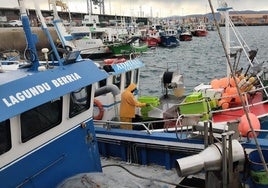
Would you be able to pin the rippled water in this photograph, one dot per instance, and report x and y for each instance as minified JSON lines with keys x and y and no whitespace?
{"x":199,"y":60}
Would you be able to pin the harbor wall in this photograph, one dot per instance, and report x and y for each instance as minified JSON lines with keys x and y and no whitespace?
{"x":14,"y":38}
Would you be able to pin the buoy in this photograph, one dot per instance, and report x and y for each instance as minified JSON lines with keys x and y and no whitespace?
{"x":244,"y":127}
{"x":232,"y":81}
{"x":227,"y":97}
{"x":114,"y":61}
{"x":223,"y":82}
{"x":223,"y":103}
{"x":215,"y":84}
{"x":100,"y":110}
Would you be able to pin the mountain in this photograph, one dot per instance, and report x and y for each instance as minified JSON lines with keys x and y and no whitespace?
{"x":217,"y":14}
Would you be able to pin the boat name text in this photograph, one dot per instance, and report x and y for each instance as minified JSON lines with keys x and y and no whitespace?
{"x":39,"y":89}
{"x":128,"y":65}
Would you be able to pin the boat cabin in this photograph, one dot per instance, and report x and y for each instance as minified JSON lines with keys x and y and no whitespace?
{"x":121,"y":72}
{"x":46,"y":125}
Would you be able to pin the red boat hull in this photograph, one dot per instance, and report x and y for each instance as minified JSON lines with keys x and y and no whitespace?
{"x":185,"y":37}
{"x":255,"y":107}
{"x":200,"y":33}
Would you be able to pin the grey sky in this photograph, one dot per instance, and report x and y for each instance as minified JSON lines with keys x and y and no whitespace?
{"x":148,"y":7}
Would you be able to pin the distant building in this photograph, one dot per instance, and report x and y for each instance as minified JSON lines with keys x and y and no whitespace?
{"x":249,"y":19}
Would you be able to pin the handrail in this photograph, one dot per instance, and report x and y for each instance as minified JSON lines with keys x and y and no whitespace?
{"x":120,"y":122}
{"x":256,"y":130}
{"x":246,"y":100}
{"x":148,"y":130}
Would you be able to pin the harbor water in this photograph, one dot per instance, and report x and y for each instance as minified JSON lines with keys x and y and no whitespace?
{"x":199,"y":60}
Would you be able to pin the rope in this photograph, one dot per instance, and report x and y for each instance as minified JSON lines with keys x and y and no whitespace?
{"x":146,"y":178}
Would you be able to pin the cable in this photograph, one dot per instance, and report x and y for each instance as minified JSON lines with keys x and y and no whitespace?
{"x":151,"y":179}
{"x":138,"y":176}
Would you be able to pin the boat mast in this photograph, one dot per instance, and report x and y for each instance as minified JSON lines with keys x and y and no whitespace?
{"x":224,"y":9}
{"x":46,"y":31}
{"x":31,"y":38}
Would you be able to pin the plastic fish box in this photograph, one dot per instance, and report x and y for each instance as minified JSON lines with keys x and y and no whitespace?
{"x":207,"y":91}
{"x":153,"y":101}
{"x":197,"y":107}
{"x":213,"y":93}
{"x":195,"y":96}
{"x":213,"y":103}
{"x":202,"y":87}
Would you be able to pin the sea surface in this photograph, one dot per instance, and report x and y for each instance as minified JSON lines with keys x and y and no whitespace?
{"x":200,"y":60}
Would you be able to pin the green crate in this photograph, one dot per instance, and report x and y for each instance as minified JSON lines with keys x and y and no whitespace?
{"x":154,"y":101}
{"x":197,"y":107}
{"x":195,"y":96}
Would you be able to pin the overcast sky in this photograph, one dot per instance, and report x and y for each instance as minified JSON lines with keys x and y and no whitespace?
{"x":147,"y":7}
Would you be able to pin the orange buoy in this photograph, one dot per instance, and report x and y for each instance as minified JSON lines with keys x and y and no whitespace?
{"x":227,"y":97}
{"x":223,"y":103}
{"x":232,"y":81}
{"x":100,"y":110}
{"x":215,"y":84}
{"x":244,"y":127}
{"x":223,"y":82}
{"x":114,"y":61}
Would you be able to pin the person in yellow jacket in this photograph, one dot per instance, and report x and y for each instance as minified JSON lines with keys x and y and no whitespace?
{"x":128,"y":106}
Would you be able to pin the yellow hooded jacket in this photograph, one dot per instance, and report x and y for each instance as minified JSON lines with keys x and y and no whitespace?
{"x":129,"y":103}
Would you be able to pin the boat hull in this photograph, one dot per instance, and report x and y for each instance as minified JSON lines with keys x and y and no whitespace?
{"x":200,"y":33}
{"x":36,"y":169}
{"x":169,"y":41}
{"x":185,"y":37}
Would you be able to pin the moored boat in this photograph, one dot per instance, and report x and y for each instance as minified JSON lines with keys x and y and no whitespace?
{"x":132,"y":46}
{"x":186,"y":36}
{"x":200,"y":31}
{"x":79,"y":39}
{"x":152,"y":38}
{"x":169,"y":41}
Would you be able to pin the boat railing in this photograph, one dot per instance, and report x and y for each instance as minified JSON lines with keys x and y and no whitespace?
{"x":183,"y":122}
{"x":108,"y":124}
{"x":246,"y":97}
{"x":258,"y":131}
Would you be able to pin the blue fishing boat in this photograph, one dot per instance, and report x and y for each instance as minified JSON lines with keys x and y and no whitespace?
{"x":47,"y":132}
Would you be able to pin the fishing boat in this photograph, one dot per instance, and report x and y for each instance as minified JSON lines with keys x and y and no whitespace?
{"x":200,"y":31}
{"x":132,"y":45}
{"x":169,"y":41}
{"x":78,"y":39}
{"x":169,"y":38}
{"x":220,"y":136}
{"x":186,"y":36}
{"x":47,"y":124}
{"x":152,"y":38}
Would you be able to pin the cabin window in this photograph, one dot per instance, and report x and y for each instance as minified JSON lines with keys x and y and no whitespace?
{"x":102,"y":83}
{"x":117,"y":80}
{"x":136,"y":76}
{"x":5,"y":137}
{"x":128,"y":79}
{"x":80,"y":101}
{"x":40,"y":119}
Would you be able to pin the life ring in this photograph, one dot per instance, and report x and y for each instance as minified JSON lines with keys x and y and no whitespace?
{"x":114,"y":61}
{"x":101,"y":110}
